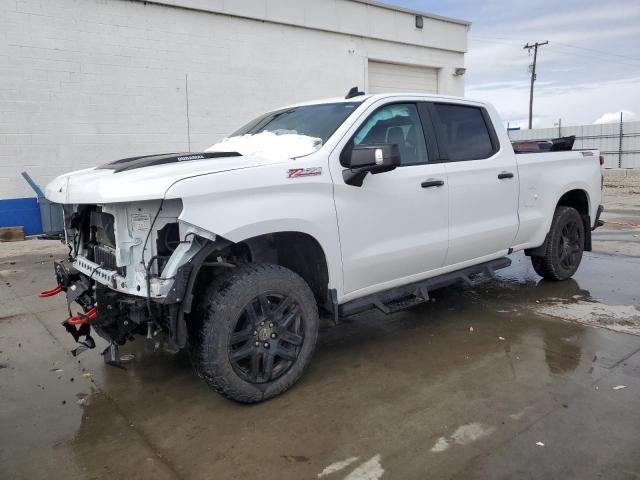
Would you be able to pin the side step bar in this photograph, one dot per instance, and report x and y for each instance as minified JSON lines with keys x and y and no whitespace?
{"x":400,"y":298}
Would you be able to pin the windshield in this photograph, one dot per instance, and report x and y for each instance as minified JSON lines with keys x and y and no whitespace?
{"x":288,"y":133}
{"x":318,"y":121}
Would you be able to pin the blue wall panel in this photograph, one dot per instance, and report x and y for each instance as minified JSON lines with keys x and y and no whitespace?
{"x":21,"y":212}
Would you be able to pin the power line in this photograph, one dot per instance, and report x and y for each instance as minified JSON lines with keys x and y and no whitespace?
{"x":599,"y":51}
{"x":561,"y":50}
{"x":492,"y":39}
{"x":533,"y":74}
{"x":592,"y":58}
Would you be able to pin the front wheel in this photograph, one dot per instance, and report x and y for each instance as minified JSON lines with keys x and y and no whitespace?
{"x":564,"y":248}
{"x":257,"y":332}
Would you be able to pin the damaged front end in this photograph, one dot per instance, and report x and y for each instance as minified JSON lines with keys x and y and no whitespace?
{"x":130,"y":271}
{"x":78,"y":290}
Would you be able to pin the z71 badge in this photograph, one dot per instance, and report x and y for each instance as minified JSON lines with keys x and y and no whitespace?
{"x":304,"y":172}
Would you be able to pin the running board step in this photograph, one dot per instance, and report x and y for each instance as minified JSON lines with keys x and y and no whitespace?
{"x":403,"y":304}
{"x":406,"y":296}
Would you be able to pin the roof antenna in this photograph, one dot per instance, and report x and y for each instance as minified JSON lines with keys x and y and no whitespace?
{"x":353,"y":93}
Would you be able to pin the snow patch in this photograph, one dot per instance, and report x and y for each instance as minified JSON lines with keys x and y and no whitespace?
{"x":519,"y":415}
{"x":463,"y":435}
{"x":369,"y":470}
{"x":337,"y":466}
{"x":622,"y":318}
{"x":471,"y":432}
{"x":269,"y":145}
{"x":441,"y":445}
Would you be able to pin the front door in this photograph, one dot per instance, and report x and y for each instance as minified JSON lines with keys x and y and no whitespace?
{"x":394,"y":227}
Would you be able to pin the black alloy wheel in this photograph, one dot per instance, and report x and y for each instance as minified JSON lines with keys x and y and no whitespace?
{"x":267,"y":338}
{"x":562,"y":251}
{"x":254,"y":331}
{"x":570,"y":248}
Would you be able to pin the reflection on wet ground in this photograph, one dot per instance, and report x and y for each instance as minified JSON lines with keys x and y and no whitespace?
{"x":466,"y":386}
{"x":604,"y":278}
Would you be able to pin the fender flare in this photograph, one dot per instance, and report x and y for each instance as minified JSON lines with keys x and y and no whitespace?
{"x":180,"y":298}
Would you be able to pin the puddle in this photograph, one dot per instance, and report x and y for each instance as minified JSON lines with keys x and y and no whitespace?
{"x":381,"y":384}
{"x":604,"y":278}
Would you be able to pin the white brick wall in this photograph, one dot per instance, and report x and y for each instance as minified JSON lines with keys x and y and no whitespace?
{"x":84,"y":82}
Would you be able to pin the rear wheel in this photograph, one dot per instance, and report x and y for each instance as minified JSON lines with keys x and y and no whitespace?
{"x":564,"y":248}
{"x":258,"y":330}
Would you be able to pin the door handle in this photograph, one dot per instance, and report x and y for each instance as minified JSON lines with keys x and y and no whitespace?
{"x":504,"y":175}
{"x":432,"y":182}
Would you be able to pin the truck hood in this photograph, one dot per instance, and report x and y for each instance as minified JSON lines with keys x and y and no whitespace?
{"x":144,"y":178}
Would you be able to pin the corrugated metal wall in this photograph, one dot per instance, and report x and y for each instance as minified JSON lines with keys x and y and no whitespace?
{"x":604,"y":137}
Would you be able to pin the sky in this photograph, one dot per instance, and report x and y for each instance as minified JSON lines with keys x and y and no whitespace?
{"x":589,"y":71}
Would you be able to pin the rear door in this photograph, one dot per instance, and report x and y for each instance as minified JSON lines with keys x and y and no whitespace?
{"x":483,"y":183}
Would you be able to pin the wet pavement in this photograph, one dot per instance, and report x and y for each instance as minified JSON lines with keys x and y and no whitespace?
{"x":511,"y":378}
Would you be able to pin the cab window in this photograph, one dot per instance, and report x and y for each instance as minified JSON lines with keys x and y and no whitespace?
{"x":395,"y":124}
{"x":464,"y":132}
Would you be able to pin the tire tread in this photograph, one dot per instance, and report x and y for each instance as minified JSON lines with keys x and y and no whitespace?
{"x":211,"y":364}
{"x":547,"y":265}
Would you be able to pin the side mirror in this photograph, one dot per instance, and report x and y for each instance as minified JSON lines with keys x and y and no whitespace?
{"x":373,"y":159}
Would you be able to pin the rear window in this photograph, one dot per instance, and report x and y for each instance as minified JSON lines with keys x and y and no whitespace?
{"x":464,"y":132}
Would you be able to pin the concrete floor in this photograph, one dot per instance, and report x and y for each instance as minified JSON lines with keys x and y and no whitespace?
{"x":621,"y":236}
{"x":509,"y":379}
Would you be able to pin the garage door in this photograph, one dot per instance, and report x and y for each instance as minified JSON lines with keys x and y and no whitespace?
{"x":390,"y":77}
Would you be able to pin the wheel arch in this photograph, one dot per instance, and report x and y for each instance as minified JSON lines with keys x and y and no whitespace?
{"x":575,"y":197}
{"x":297,"y":251}
{"x":579,"y":199}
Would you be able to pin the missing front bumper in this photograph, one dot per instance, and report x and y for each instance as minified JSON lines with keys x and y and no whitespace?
{"x":77,"y":289}
{"x":117,"y":319}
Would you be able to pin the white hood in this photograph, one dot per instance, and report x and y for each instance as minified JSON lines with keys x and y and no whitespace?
{"x":107,"y":185}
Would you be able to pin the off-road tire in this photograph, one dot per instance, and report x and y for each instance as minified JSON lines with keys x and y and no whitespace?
{"x":194,"y":324}
{"x":554,"y":265}
{"x":219,"y":308}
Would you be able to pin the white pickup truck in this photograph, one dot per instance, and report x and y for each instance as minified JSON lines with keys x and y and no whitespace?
{"x":338,"y":206}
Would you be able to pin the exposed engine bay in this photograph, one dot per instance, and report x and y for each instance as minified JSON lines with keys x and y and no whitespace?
{"x":128,"y":272}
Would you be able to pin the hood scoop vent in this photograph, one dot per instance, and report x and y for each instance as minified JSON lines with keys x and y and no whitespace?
{"x":133,"y":163}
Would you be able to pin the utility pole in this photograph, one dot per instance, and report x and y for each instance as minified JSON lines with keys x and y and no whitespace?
{"x":559,"y":125}
{"x":533,"y":74}
{"x":620,"y":145}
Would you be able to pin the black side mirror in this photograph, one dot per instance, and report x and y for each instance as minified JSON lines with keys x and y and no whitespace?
{"x":364,"y":159}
